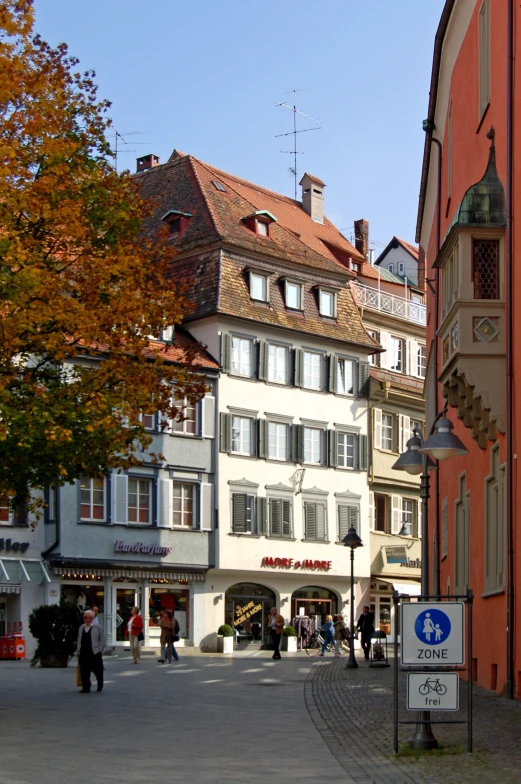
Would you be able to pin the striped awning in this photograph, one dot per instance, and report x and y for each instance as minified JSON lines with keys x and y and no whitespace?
{"x":9,"y":588}
{"x":129,"y":574}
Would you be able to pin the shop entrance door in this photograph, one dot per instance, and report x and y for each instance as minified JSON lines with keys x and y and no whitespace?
{"x":124,"y":600}
{"x":314,"y":608}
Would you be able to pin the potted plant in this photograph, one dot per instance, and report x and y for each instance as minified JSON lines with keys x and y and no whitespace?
{"x":55,"y":628}
{"x":225,"y":639}
{"x":289,"y":639}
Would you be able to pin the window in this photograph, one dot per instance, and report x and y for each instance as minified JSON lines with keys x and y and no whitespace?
{"x":381,"y":512}
{"x":374,"y":359}
{"x":327,"y":303}
{"x":312,"y":370}
{"x":345,"y":377}
{"x":148,"y":420}
{"x":277,"y":441}
{"x":421,"y":366}
{"x":6,"y":517}
{"x":410,"y":516}
{"x":484,"y":57}
{"x":218,"y":186}
{"x":401,"y":268}
{"x":139,"y":505}
{"x":174,"y":227}
{"x":388,"y":432}
{"x":258,"y":287}
{"x":278,"y":364}
{"x":92,"y":498}
{"x":346,"y":450}
{"x":390,"y":267}
{"x":262,"y":228}
{"x":183,"y":504}
{"x":242,"y":349}
{"x":315,"y":521}
{"x":356,"y":267}
{"x":243,"y":513}
{"x":450,"y":281}
{"x":293,"y":295}
{"x":241,"y":435}
{"x":495,"y":525}
{"x":461,"y":538}
{"x":417,"y":424}
{"x":313,"y":445}
{"x":485,"y":268}
{"x":396,"y":354}
{"x":280,"y":517}
{"x":188,"y":425}
{"x":348,"y":516}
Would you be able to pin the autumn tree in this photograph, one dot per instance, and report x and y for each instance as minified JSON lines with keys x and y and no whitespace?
{"x":81,"y":288}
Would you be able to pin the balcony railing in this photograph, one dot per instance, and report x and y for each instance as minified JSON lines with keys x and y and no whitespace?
{"x":406,"y":309}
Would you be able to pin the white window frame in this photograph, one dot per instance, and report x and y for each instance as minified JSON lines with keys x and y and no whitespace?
{"x":240,"y":351}
{"x":262,"y":228}
{"x":410,"y":515}
{"x":311,"y":359}
{"x":315,"y":436}
{"x":418,"y":424}
{"x":270,"y":501}
{"x":341,"y":377}
{"x":264,"y":285}
{"x":181,"y":428}
{"x":374,"y":359}
{"x":275,"y":430}
{"x":421,"y":360}
{"x":150,"y":483}
{"x":278,"y":355}
{"x":396,"y":354}
{"x":290,"y":284}
{"x":242,"y":424}
{"x":342,"y":458}
{"x":142,"y":418}
{"x":390,"y":267}
{"x":91,"y":479}
{"x":385,"y":429}
{"x":324,"y":294}
{"x":401,"y":268}
{"x":250,"y":506}
{"x":184,"y":486}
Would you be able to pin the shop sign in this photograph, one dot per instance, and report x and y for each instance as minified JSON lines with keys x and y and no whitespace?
{"x":414,"y":564}
{"x":290,"y":563}
{"x":243,"y":613}
{"x":396,"y":555}
{"x":139,"y":547}
{"x":16,"y":547}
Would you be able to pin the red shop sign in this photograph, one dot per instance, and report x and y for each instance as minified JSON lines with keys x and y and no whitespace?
{"x":289,"y":563}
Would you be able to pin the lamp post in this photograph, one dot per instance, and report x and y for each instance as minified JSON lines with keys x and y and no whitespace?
{"x":352,"y":540}
{"x":441,"y":444}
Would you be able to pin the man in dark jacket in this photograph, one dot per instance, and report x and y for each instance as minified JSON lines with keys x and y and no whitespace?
{"x":366,"y":628}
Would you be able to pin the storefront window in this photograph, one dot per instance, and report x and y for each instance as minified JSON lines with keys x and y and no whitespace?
{"x":85,"y":596}
{"x":316,"y":603}
{"x":247,"y":610}
{"x":175,"y":599}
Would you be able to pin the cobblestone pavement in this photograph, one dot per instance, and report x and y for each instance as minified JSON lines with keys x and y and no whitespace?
{"x":353,"y":711}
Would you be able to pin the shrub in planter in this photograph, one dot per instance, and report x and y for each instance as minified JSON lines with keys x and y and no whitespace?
{"x":55,"y":628}
{"x":225,"y":639}
{"x":225,"y":630}
{"x":289,"y":639}
{"x":289,"y":631}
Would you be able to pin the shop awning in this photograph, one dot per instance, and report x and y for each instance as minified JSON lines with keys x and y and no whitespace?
{"x":9,"y":589}
{"x":19,"y":569}
{"x":135,"y":574}
{"x":405,"y":587}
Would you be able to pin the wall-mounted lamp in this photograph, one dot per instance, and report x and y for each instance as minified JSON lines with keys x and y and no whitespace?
{"x":219,"y":596}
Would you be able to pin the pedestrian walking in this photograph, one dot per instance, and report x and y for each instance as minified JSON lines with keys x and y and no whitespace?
{"x":91,"y":644}
{"x":340,"y":634}
{"x":175,"y":637}
{"x":95,"y":621}
{"x":276,"y":626}
{"x":135,"y":633}
{"x":366,"y":628}
{"x":328,"y":633}
{"x":166,"y":625}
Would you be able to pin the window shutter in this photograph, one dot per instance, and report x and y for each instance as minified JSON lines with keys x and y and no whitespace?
{"x":286,"y":518}
{"x":254,"y":437}
{"x":320,"y":521}
{"x":363,"y":453}
{"x":371,"y":511}
{"x":412,"y":357}
{"x":298,"y":443}
{"x":310,"y":520}
{"x":226,"y":351}
{"x":405,"y":432}
{"x":261,"y":515}
{"x":354,"y":518}
{"x":298,"y":375}
{"x":363,"y":379}
{"x":206,"y":506}
{"x":263,"y":360}
{"x":343,"y":522}
{"x":396,"y":514}
{"x":208,"y":416}
{"x":166,"y":514}
{"x":385,"y":340}
{"x":262,"y":427}
{"x":333,"y":448}
{"x":226,"y":432}
{"x":377,"y":428}
{"x":333,"y":373}
{"x":120,"y":495}
{"x":239,"y":513}
{"x":275,"y":517}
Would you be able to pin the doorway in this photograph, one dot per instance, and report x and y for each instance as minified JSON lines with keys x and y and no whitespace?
{"x":314,"y":602}
{"x":124,"y":600}
{"x":247,"y":610}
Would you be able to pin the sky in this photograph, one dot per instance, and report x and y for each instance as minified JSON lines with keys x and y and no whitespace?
{"x":205,"y":78}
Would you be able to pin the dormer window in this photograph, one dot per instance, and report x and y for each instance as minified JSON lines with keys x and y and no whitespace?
{"x":262,"y":228}
{"x":259,"y":222}
{"x":356,"y":266}
{"x":176,"y":222}
{"x":293,"y":295}
{"x":327,"y":303}
{"x":174,"y":227}
{"x":259,"y":286}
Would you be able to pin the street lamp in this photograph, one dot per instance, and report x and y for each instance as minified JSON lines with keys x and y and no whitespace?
{"x":353,"y":541}
{"x":441,"y":444}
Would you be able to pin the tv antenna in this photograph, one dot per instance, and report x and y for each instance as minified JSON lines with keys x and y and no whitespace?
{"x":118,"y":150}
{"x":294,"y":132}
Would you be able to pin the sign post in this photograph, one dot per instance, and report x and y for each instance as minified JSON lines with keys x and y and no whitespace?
{"x":433,"y":634}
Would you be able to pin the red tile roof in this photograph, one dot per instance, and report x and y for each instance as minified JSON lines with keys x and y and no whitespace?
{"x":398,"y":379}
{"x":412,"y":249}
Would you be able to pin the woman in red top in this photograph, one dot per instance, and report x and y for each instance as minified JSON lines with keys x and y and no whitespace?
{"x":135,"y":629}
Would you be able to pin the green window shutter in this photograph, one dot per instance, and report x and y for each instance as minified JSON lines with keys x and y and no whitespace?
{"x":332,"y":448}
{"x":263,"y":349}
{"x":225,"y":441}
{"x":333,"y":371}
{"x":310,"y":520}
{"x":354,"y":518}
{"x":261,"y":515}
{"x":275,"y":508}
{"x":262,"y":429}
{"x":297,"y":454}
{"x":239,"y":513}
{"x":363,"y":455}
{"x":286,"y":518}
{"x":226,"y":351}
{"x":363,"y":379}
{"x":343,"y":522}
{"x":320,"y":513}
{"x":250,"y":514}
{"x":298,"y":375}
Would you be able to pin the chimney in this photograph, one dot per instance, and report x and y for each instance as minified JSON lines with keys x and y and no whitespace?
{"x":362,"y":237}
{"x":147,"y":162}
{"x":313,"y":197}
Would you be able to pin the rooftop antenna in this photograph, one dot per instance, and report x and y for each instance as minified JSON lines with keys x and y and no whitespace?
{"x":117,"y":136}
{"x":294,"y":132}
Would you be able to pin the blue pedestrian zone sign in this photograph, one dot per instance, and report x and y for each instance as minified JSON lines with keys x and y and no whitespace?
{"x":432,"y":633}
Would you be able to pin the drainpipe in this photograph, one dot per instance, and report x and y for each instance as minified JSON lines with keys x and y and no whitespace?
{"x":509,"y":341}
{"x":437,"y":549}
